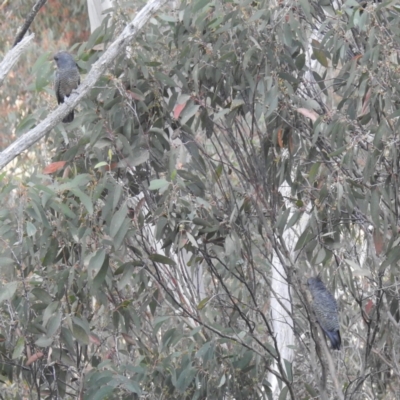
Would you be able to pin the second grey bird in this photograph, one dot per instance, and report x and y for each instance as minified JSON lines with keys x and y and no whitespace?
{"x":325,"y":308}
{"x":66,"y":79}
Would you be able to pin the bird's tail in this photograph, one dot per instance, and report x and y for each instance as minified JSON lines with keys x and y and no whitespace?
{"x":334,"y":337}
{"x":69,"y":117}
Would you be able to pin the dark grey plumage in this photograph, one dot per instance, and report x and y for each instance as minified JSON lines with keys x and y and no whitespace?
{"x":66,"y":79}
{"x":325,"y":308}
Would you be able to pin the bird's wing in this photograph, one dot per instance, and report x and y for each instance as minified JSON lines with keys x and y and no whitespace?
{"x":57,"y":88}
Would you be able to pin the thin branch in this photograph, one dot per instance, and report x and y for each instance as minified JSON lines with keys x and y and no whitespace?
{"x":331,"y":367}
{"x":28,"y":21}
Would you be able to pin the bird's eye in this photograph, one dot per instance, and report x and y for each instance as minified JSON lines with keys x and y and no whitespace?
{"x":55,"y":58}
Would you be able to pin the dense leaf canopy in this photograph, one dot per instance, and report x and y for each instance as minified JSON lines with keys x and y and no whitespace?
{"x":137,"y":249}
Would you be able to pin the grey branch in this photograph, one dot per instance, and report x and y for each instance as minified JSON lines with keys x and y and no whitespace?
{"x":13,"y":55}
{"x":29,"y":19}
{"x":130,"y":31}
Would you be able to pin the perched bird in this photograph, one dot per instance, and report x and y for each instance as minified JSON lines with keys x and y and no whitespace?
{"x":66,"y":79}
{"x":325,"y":308}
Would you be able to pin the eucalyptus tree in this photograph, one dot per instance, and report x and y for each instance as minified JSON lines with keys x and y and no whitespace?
{"x":232,"y":151}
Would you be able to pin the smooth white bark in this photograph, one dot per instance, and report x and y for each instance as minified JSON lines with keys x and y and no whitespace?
{"x":282,"y":322}
{"x":13,"y":56}
{"x":97,"y":10}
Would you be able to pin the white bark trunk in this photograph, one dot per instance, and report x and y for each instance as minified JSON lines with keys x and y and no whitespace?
{"x":281,"y":303}
{"x":96,"y":9}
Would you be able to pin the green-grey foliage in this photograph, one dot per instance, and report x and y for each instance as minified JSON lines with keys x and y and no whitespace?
{"x":141,"y":266}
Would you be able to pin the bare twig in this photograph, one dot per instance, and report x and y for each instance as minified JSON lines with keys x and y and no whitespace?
{"x":331,"y":367}
{"x":29,"y":19}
